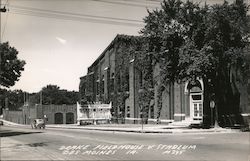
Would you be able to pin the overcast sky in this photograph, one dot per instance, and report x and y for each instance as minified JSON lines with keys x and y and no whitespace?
{"x":60,"y":39}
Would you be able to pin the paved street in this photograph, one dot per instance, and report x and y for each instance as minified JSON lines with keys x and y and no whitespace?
{"x":23,"y":143}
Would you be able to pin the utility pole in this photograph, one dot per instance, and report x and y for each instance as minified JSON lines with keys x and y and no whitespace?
{"x":0,"y":33}
{"x":41,"y":97}
{"x":0,"y":25}
{"x":1,"y":10}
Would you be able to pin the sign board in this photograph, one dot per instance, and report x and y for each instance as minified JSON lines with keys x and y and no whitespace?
{"x":95,"y":111}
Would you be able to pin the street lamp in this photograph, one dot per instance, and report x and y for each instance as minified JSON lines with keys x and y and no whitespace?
{"x":212,"y":105}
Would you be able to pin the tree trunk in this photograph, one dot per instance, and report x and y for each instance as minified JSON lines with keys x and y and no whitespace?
{"x":159,"y":103}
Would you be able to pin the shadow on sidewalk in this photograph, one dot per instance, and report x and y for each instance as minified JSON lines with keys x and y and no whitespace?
{"x":7,"y":133}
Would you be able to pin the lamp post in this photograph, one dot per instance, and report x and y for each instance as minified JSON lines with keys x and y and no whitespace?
{"x":216,"y":125}
{"x":212,"y":104}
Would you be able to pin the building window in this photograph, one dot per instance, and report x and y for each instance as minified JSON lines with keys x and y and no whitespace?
{"x":102,"y":85}
{"x":196,"y":97}
{"x":82,"y":88}
{"x":200,"y":109}
{"x":127,"y":81}
{"x":119,"y":83}
{"x":195,"y":110}
{"x":112,"y":82}
{"x":97,"y":87}
{"x":128,"y":111}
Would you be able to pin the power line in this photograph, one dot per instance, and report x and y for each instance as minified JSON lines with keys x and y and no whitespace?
{"x":143,"y":5}
{"x":5,"y":3}
{"x":37,"y":10}
{"x":30,"y":11}
{"x":133,"y":3}
{"x":57,"y":14}
{"x":81,"y":19}
{"x":157,"y":1}
{"x":146,"y":1}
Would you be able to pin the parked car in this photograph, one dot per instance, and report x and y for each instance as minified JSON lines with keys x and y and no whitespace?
{"x":38,"y":123}
{"x":1,"y":123}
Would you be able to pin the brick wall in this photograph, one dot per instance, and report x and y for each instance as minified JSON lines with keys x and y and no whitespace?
{"x":29,"y":113}
{"x":13,"y":116}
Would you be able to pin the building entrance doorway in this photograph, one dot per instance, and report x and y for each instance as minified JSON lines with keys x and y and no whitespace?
{"x":58,"y":118}
{"x":69,"y":118}
{"x":196,"y":106}
{"x":194,"y":89}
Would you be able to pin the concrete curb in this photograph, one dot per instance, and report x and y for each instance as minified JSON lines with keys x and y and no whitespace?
{"x":158,"y":130}
{"x":116,"y":130}
{"x":152,"y":131}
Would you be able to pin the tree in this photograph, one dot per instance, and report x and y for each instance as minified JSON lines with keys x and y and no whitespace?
{"x":52,"y":94}
{"x":189,"y":41}
{"x":144,"y":64}
{"x":11,"y":66}
{"x":11,"y":99}
{"x":165,"y":31}
{"x":219,"y":59}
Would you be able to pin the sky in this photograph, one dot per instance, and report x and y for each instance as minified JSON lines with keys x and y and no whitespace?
{"x":60,"y":39}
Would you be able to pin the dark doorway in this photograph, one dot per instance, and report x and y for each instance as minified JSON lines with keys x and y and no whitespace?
{"x":69,"y":118}
{"x":58,"y":118}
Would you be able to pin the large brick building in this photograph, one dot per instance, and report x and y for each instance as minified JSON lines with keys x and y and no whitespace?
{"x":114,"y":74}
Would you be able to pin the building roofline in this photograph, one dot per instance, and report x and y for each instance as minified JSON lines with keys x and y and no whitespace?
{"x":109,"y":46}
{"x":82,"y":77}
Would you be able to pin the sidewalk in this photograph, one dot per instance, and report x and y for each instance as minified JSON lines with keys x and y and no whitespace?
{"x":8,"y":123}
{"x":136,"y":128}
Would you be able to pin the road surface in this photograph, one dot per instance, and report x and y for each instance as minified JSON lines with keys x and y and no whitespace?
{"x":23,"y":143}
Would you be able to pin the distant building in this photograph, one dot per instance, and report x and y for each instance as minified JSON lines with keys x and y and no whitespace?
{"x":106,"y":81}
